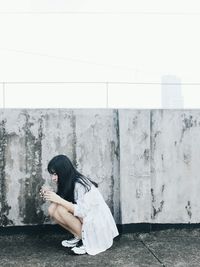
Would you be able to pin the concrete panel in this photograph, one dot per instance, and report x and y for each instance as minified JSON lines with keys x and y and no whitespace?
{"x":59,"y":138}
{"x":29,"y":139}
{"x":135,"y":165}
{"x":175,"y":147}
{"x":20,"y":168}
{"x":97,"y":149}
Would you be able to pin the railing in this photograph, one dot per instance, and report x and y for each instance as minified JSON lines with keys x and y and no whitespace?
{"x":97,"y":95}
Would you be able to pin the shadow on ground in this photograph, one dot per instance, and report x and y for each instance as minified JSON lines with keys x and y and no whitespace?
{"x":161,"y":248}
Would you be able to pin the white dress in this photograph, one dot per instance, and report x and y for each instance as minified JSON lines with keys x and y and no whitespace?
{"x":98,"y":228}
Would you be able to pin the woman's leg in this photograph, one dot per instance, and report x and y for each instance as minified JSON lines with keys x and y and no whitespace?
{"x":51,"y":211}
{"x":64,"y":218}
{"x":65,"y":227}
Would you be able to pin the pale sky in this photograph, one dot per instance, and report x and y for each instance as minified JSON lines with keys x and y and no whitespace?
{"x":101,"y":41}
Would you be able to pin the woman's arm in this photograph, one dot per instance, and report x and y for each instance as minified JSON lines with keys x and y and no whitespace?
{"x":68,"y":205}
{"x":53,"y":197}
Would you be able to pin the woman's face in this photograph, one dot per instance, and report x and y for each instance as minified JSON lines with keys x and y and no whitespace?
{"x":54,"y":177}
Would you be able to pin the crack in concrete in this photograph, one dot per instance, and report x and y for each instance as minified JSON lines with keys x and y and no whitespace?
{"x":154,"y":255}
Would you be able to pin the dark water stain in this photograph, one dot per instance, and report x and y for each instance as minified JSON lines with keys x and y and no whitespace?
{"x":189,"y":209}
{"x":73,"y":125}
{"x":116,"y":126}
{"x":157,"y":133}
{"x":186,"y":158}
{"x":152,"y":195}
{"x":187,"y":124}
{"x":144,"y":137}
{"x":135,"y":121}
{"x":146,"y":155}
{"x":159,"y":209}
{"x":4,"y":212}
{"x":115,"y":179}
{"x":29,"y":200}
{"x":163,"y":188}
{"x":112,"y":178}
{"x":113,"y":154}
{"x":111,"y":197}
{"x":153,"y":141}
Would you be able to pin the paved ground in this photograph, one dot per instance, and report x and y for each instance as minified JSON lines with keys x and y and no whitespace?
{"x":161,"y":248}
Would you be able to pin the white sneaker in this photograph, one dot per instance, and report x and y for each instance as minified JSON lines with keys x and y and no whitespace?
{"x":79,"y":249}
{"x":71,"y":242}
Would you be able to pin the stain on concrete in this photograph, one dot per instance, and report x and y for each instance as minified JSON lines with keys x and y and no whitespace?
{"x":4,"y":212}
{"x":112,"y":181}
{"x":152,"y":195}
{"x":144,"y":137}
{"x":152,"y":142}
{"x":139,"y":192}
{"x":116,"y":126}
{"x":73,"y":125}
{"x":187,"y":124}
{"x":135,"y":121}
{"x":146,"y":156}
{"x":189,"y":209}
{"x":29,"y":200}
{"x":116,"y":178}
{"x":114,"y":153}
{"x":156,"y":210}
{"x":157,"y":133}
{"x":163,"y":188}
{"x":186,"y":158}
{"x":153,"y":139}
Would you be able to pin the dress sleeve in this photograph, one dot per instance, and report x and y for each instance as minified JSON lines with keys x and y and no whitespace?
{"x":81,"y":208}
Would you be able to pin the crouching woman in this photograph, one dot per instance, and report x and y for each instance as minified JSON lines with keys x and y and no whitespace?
{"x":79,"y":207}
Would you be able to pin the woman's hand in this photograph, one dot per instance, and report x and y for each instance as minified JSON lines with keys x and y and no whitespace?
{"x":52,"y":196}
{"x":44,"y":189}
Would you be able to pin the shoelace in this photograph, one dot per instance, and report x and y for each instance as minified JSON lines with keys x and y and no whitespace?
{"x":80,"y":243}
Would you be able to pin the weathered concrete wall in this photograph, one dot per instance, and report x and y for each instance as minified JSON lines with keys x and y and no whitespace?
{"x":175,"y":166}
{"x":30,"y":138}
{"x":135,"y":176}
{"x":145,"y":161}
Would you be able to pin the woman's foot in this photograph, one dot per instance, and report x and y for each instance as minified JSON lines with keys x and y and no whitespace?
{"x":79,"y":249}
{"x":71,"y":242}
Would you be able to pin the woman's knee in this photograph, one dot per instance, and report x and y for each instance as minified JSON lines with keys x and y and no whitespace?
{"x":52,"y":208}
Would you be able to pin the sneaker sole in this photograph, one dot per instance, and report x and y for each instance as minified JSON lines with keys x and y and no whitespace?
{"x":78,"y":254}
{"x":68,"y":245}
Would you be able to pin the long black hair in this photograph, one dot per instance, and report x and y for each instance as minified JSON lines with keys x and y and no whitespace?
{"x":67,"y":177}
